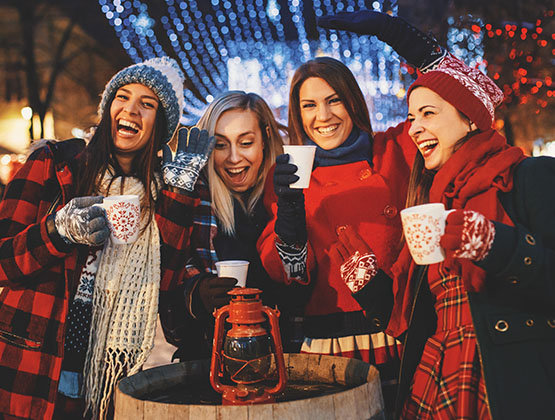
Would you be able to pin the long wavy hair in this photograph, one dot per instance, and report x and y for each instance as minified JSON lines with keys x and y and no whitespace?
{"x":222,"y":197}
{"x":99,"y":157}
{"x":341,"y":80}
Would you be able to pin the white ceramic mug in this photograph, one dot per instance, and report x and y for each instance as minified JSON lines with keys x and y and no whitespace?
{"x":236,"y":269}
{"x":124,"y":214}
{"x":423,"y":227}
{"x":303,"y":157}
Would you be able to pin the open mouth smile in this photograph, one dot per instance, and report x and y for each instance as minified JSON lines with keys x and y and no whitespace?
{"x":236,"y":172}
{"x":330,"y":129}
{"x":427,"y":147}
{"x":127,"y":127}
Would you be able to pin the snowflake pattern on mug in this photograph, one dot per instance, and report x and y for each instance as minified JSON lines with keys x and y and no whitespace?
{"x":124,"y":218}
{"x":423,"y":233}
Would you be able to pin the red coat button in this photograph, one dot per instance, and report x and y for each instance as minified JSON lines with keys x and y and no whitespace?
{"x":390,"y":211}
{"x":365,"y":173}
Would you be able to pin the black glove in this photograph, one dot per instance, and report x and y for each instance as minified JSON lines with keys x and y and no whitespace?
{"x":212,"y":291}
{"x":291,"y":219}
{"x":416,"y":47}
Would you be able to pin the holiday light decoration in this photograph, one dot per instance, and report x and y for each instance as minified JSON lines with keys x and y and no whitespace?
{"x":256,"y":45}
{"x":523,"y":76}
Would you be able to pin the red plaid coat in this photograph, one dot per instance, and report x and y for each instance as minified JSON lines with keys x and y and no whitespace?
{"x":38,"y":272}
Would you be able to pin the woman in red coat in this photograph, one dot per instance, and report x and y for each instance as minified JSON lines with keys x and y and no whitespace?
{"x":78,"y":312}
{"x":359,"y":179}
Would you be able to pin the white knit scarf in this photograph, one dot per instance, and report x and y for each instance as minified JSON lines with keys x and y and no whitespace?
{"x":125,"y":307}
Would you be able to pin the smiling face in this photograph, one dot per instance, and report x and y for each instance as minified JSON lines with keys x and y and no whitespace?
{"x":325,"y":119}
{"x":436,"y":126}
{"x":133,"y":115}
{"x":239,"y":150}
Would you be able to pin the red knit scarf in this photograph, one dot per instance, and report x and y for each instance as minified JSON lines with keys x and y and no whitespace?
{"x":471,"y":180}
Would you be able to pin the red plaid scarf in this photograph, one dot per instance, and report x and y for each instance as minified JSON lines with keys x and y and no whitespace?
{"x":470,"y":179}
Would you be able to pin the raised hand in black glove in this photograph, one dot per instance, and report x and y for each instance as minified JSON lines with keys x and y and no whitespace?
{"x":212,"y":291}
{"x":291,"y":219}
{"x":416,"y":47}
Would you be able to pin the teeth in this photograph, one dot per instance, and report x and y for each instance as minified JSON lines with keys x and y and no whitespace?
{"x":129,"y":124}
{"x":428,"y":143}
{"x":327,"y":130}
{"x":236,"y":171}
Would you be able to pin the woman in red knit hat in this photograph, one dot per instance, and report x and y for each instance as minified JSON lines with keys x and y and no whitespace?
{"x":480,"y":324}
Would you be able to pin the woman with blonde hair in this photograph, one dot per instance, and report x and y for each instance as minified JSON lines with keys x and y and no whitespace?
{"x":226,"y":216}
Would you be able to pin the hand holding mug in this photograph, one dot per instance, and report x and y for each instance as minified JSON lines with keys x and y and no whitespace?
{"x":213,"y":290}
{"x":468,"y":234}
{"x":81,"y":222}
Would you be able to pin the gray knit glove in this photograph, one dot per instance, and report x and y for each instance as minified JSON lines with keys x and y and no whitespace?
{"x":193,"y":149}
{"x":81,"y":222}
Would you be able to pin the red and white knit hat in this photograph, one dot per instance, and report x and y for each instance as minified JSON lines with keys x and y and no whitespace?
{"x":466,"y":88}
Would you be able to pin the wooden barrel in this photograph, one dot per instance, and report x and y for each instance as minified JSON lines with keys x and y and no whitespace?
{"x":362,"y":400}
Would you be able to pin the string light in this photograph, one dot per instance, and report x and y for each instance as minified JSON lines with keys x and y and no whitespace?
{"x":256,"y":45}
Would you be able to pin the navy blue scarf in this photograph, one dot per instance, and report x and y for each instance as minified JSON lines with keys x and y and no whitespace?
{"x":357,"y":147}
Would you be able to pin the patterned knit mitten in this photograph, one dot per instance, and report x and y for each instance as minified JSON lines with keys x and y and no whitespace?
{"x":193,"y":150}
{"x":468,"y":234}
{"x":358,"y":270}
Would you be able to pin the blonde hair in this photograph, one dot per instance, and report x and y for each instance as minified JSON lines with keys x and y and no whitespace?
{"x":222,"y":197}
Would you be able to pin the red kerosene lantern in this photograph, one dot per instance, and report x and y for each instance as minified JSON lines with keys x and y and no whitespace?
{"x":246,"y":351}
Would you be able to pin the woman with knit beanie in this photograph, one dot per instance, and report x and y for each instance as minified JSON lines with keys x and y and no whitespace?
{"x":226,"y":216}
{"x":479,"y":327}
{"x":78,"y":312}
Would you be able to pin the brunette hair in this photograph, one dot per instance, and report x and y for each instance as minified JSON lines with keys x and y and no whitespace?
{"x":99,"y":156}
{"x":341,"y":80}
{"x":222,"y":197}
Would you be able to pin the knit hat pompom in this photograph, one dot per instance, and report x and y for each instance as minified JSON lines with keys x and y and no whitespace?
{"x":466,"y":88}
{"x":163,"y":76}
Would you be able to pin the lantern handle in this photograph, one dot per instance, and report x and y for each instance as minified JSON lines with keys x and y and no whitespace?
{"x":216,"y":348}
{"x":273,"y":315}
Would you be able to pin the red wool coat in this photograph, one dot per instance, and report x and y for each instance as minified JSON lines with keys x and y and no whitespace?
{"x":38,"y":272}
{"x":366,"y":197}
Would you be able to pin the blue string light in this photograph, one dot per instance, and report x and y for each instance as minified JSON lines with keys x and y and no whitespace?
{"x":243,"y":44}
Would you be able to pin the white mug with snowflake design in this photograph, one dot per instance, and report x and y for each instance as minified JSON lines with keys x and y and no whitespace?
{"x":423,"y":227}
{"x":124,"y":213}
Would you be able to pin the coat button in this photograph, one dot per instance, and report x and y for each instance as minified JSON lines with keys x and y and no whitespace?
{"x":61,"y":169}
{"x":340,"y":229}
{"x":365,"y":173}
{"x":530,"y":239}
{"x":512,"y":280}
{"x":551,"y":322}
{"x":501,"y":325}
{"x":529,"y":322}
{"x":377,"y":323}
{"x":390,"y":211}
{"x":527,"y":260}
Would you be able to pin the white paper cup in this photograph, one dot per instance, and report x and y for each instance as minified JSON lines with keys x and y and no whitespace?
{"x":303,"y":157}
{"x":236,"y":269}
{"x":124,"y":214}
{"x":423,"y":227}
